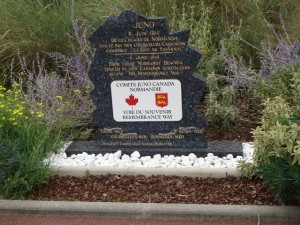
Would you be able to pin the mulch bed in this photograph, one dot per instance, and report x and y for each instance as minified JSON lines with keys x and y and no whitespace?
{"x":170,"y":189}
{"x":156,"y":189}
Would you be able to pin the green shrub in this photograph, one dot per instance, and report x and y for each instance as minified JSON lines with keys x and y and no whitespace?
{"x":220,"y":103}
{"x":284,"y":83}
{"x":282,"y":176}
{"x":279,"y":133}
{"x":277,"y":149}
{"x":24,"y":143}
{"x":211,"y":63}
{"x":27,"y":172}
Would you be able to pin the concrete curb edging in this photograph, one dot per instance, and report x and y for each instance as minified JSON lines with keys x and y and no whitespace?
{"x":151,"y":210}
{"x":80,"y":171}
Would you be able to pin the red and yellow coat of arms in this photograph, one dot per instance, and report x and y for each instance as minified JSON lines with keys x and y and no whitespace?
{"x":161,"y":99}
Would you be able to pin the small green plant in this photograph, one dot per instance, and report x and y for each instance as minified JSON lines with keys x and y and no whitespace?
{"x":282,"y":176}
{"x":277,"y":149}
{"x":232,"y":43}
{"x":24,"y":143}
{"x":197,"y":19}
{"x":211,"y":63}
{"x":87,"y":173}
{"x":220,"y":103}
{"x":29,"y":172}
{"x":283,"y":83}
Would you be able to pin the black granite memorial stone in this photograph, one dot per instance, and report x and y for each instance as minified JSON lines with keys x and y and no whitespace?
{"x":144,"y":89}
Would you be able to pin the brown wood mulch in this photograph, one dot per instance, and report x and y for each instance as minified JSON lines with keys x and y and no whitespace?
{"x":170,"y":189}
{"x":157,"y":189}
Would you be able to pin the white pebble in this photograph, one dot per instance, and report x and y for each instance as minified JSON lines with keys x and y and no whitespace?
{"x":99,"y":156}
{"x":157,"y":157}
{"x":209,"y":159}
{"x":192,"y":157}
{"x":229,"y":156}
{"x":145,"y":158}
{"x":125,"y":156}
{"x":210,"y":155}
{"x":177,"y":159}
{"x":187,"y":163}
{"x":118,"y":154}
{"x":111,"y":156}
{"x":164,"y":160}
{"x":135,"y":154}
{"x":171,"y":157}
{"x":183,"y":158}
{"x":106,"y":156}
{"x":116,"y":159}
{"x":135,"y":159}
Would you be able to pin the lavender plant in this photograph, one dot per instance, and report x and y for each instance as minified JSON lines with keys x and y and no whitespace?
{"x":284,"y":56}
{"x":238,"y":74}
{"x":61,"y":95}
{"x":278,"y":68}
{"x":273,"y":77}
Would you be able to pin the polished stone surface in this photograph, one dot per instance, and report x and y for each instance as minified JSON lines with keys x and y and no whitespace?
{"x":124,"y":45}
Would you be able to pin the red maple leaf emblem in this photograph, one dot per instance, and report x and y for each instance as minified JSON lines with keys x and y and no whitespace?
{"x":131,"y":100}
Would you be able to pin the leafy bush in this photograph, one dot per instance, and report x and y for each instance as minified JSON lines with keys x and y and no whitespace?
{"x":279,"y":133}
{"x":277,"y":149}
{"x":26,"y":171}
{"x":282,"y":176}
{"x":220,"y":103}
{"x":24,"y":143}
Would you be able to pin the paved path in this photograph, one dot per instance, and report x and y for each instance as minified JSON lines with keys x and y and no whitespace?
{"x":68,"y":220}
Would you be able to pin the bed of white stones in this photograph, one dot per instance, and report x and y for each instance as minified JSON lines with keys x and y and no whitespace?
{"x":118,"y":159}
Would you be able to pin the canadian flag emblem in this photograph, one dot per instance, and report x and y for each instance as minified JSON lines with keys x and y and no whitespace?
{"x":131,"y":100}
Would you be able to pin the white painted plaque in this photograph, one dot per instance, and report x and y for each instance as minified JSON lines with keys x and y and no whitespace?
{"x":146,"y":100}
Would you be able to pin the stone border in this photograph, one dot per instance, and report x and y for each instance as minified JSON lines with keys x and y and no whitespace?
{"x":151,"y":210}
{"x":147,"y":171}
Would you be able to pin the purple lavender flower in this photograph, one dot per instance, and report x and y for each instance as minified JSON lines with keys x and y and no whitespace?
{"x":239,"y":76}
{"x":60,"y":97}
